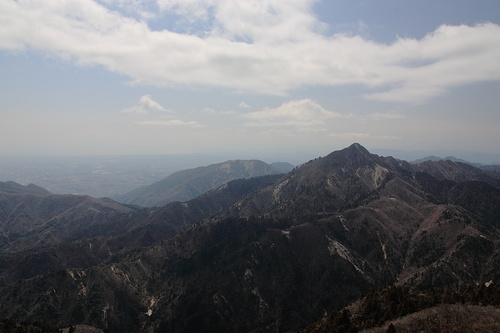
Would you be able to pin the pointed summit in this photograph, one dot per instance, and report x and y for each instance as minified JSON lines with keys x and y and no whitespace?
{"x":326,"y":184}
{"x":353,"y":156}
{"x":356,"y":147}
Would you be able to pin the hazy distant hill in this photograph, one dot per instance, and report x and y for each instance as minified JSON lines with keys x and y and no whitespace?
{"x":15,"y":188}
{"x":457,"y":171}
{"x":273,"y":253}
{"x":491,"y":167}
{"x":283,"y":166}
{"x":449,"y":158}
{"x":188,"y":184}
{"x":433,"y":158}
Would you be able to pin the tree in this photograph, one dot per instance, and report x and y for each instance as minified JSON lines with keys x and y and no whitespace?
{"x":391,"y":329}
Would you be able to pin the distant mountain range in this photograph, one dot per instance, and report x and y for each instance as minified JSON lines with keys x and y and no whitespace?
{"x":188,"y":184}
{"x":270,"y":253}
{"x":449,"y":158}
{"x":458,"y":160}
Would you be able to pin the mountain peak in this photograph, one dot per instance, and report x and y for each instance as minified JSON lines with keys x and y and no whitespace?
{"x":357,"y":147}
{"x":354,"y":155}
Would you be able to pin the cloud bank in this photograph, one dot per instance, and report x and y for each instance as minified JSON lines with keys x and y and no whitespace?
{"x":259,"y":47}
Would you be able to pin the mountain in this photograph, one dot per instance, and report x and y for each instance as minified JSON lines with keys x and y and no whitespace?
{"x":454,"y":159}
{"x":492,"y":167}
{"x":432,"y":158}
{"x":427,"y":212}
{"x":188,"y":184}
{"x":457,"y":171}
{"x":283,"y":166}
{"x":273,"y":253}
{"x":487,"y":167}
{"x":447,"y":158}
{"x":15,"y":188}
{"x":31,"y":217}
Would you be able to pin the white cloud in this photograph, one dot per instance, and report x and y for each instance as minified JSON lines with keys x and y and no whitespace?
{"x":244,"y":105}
{"x":149,"y":103}
{"x":249,"y":21}
{"x":300,"y":114}
{"x":146,"y":104}
{"x":265,"y":47}
{"x":448,"y":57}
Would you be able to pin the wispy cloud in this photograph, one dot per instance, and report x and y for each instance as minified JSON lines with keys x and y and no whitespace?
{"x":145,"y":105}
{"x":167,"y":118}
{"x":270,"y":47}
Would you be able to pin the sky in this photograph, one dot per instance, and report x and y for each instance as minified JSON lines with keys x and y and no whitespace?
{"x":251,"y":78}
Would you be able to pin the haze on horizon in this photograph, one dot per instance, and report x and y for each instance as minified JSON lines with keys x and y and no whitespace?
{"x":248,"y":77}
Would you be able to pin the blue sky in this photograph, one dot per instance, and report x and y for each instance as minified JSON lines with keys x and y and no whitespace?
{"x":250,"y":78}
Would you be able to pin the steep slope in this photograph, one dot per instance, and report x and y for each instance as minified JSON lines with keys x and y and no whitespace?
{"x":188,"y":184}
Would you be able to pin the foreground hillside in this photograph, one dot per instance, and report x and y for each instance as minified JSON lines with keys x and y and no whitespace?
{"x":450,"y":318}
{"x":275,"y":253}
{"x":471,"y":309}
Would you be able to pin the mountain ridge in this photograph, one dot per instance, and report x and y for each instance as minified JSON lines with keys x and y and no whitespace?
{"x":277,"y":252}
{"x":13,"y":187}
{"x":188,"y":184}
